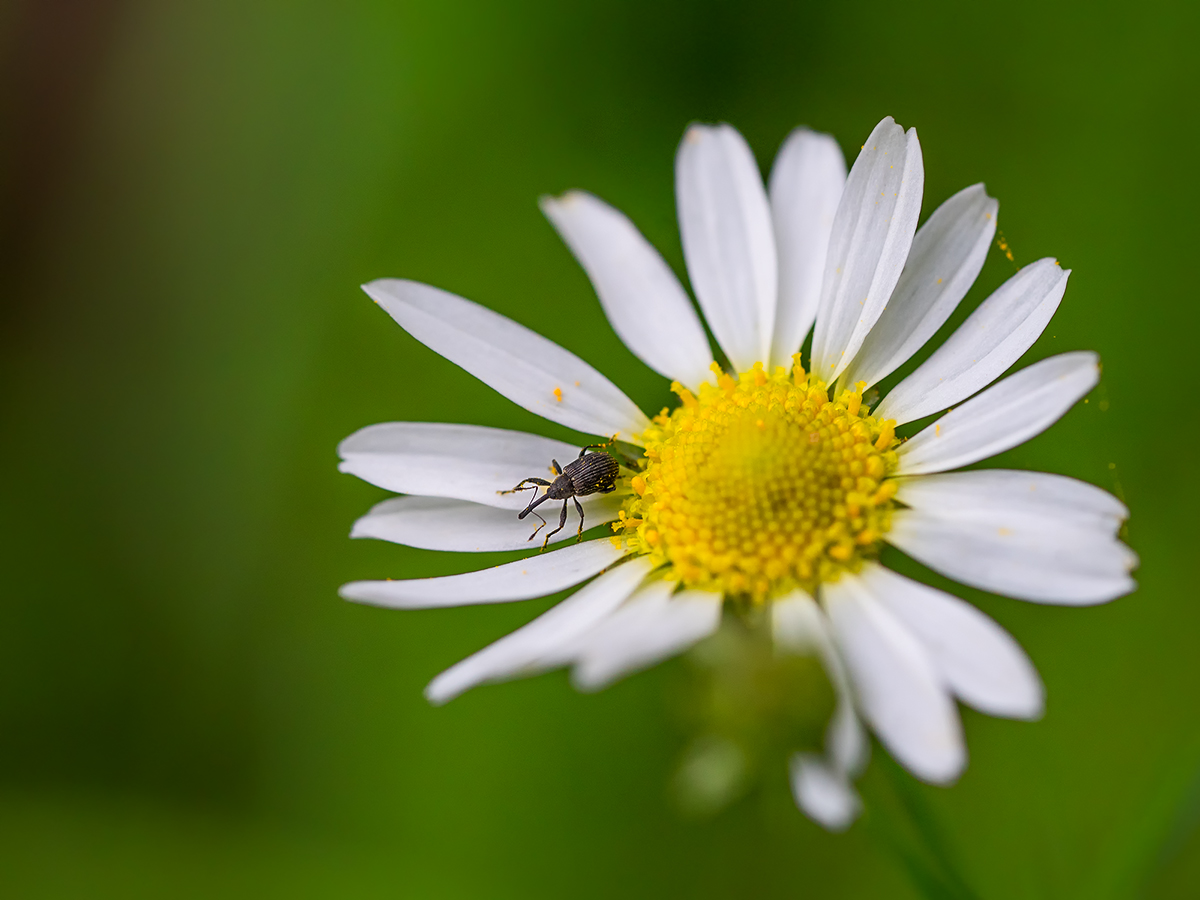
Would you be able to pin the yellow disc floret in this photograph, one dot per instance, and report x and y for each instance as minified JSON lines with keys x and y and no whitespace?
{"x":762,"y":484}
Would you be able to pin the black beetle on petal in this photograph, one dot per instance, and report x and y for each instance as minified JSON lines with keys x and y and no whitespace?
{"x":590,"y":473}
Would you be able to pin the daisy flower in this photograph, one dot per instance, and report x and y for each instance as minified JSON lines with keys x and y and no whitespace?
{"x":770,"y":488}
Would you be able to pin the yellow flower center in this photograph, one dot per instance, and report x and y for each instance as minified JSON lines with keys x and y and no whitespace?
{"x":762,"y":484}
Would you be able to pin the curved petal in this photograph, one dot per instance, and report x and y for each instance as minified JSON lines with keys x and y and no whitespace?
{"x":652,"y":626}
{"x":537,"y":576}
{"x":946,"y":256}
{"x":1055,"y":497}
{"x":467,"y":462}
{"x":1031,"y":557}
{"x":823,"y":793}
{"x":537,"y":646}
{"x":525,"y":367}
{"x":898,"y":689}
{"x":728,"y":242}
{"x":1008,"y":413}
{"x":977,"y":659}
{"x":806,"y":185}
{"x":640,"y":294}
{"x":799,"y":626}
{"x":872,"y":234}
{"x":440,"y":523}
{"x":991,"y":339}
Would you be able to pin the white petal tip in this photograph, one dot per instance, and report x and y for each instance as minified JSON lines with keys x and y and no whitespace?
{"x":351,"y":591}
{"x":942,"y":766}
{"x":438,"y":693}
{"x":1118,"y":588}
{"x":1028,"y":705}
{"x":1030,"y":712}
{"x":590,"y":679}
{"x":549,"y":204}
{"x":435,"y":699}
{"x":823,"y":795}
{"x":1128,"y":586}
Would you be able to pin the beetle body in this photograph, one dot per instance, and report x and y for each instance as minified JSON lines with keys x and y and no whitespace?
{"x":594,"y":473}
{"x":590,"y":473}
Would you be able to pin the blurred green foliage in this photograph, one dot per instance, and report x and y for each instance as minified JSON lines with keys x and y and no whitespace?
{"x":187,"y":709}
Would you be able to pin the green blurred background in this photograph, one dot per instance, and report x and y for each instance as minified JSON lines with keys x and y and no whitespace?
{"x":192,"y":194}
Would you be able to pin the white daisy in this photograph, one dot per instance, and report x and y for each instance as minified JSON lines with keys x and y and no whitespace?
{"x":769,"y":485}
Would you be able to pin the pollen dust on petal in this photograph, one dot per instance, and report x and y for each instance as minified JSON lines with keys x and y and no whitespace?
{"x":558,"y":394}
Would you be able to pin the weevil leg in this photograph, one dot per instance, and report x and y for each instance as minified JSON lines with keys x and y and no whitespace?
{"x":527,"y":484}
{"x":557,"y":467}
{"x":562,"y":521}
{"x":530,"y":509}
{"x":612,"y":440}
{"x":579,"y":534}
{"x":539,"y":528}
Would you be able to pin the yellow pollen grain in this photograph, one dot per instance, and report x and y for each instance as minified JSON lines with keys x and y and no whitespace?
{"x":558,"y":394}
{"x":762,"y":483}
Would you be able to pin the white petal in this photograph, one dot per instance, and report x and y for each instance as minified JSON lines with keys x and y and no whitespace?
{"x":728,"y":242}
{"x":1018,"y":554}
{"x":535,"y":647}
{"x":468,"y":462}
{"x":525,"y":367}
{"x":799,"y":626}
{"x":1055,"y":497}
{"x":945,"y":259}
{"x":1008,"y":413}
{"x":824,"y":794}
{"x":872,"y":234}
{"x":991,"y":339}
{"x":537,"y":576}
{"x":898,"y":689}
{"x":806,"y":185}
{"x":640,"y":294}
{"x":439,"y":523}
{"x":651,"y":627}
{"x":976,"y":658}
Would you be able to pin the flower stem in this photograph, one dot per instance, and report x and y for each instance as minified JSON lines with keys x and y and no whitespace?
{"x":914,"y":834}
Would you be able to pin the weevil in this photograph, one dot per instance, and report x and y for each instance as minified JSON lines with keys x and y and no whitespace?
{"x":589,"y":473}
